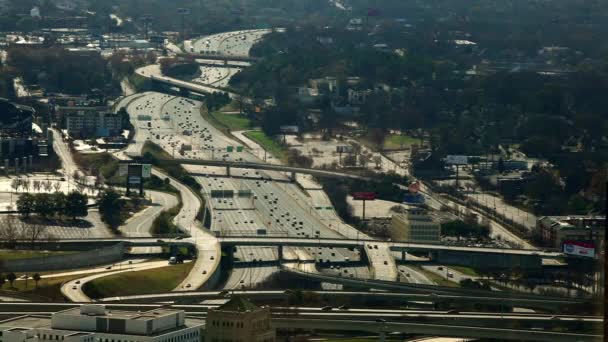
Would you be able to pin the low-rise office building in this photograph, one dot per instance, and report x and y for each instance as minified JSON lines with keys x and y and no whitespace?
{"x":89,"y":122}
{"x":415,"y":225}
{"x":239,"y":320}
{"x":93,"y":323}
{"x":554,"y":230}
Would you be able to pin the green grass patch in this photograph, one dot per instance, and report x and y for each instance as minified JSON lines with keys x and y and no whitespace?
{"x":233,"y":122}
{"x":396,"y":141}
{"x":18,"y":254}
{"x":439,"y":280}
{"x":156,"y":280}
{"x":465,"y":270}
{"x":49,"y":288}
{"x":267,"y":143}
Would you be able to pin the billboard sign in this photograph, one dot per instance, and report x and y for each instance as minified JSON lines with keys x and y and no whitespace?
{"x":290,"y":129}
{"x":344,"y":149}
{"x":364,"y":196}
{"x":413,"y":198}
{"x":579,"y":248}
{"x":414,"y":187}
{"x":457,"y":160}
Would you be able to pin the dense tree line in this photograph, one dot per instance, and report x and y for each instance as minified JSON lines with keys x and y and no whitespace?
{"x":57,"y":204}
{"x":59,"y":70}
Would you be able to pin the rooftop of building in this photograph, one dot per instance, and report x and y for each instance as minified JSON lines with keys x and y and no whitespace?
{"x":28,"y":322}
{"x":119,"y":314}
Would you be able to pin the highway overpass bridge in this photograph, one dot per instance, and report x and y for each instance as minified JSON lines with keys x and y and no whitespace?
{"x":218,"y":57}
{"x":455,"y":255}
{"x":262,"y":166}
{"x":508,"y":301}
{"x":470,"y":325}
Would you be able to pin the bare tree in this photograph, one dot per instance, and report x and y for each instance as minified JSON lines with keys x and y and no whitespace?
{"x":34,"y":232}
{"x":377,"y":161}
{"x":10,"y":229}
{"x":15,"y":184}
{"x":363,"y":160}
{"x":26,"y":184}
{"x":36,"y":185}
{"x":48,"y":186}
{"x":57,"y":186}
{"x":80,"y":187}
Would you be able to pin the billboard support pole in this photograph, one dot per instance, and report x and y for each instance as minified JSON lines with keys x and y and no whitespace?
{"x":363,"y":210}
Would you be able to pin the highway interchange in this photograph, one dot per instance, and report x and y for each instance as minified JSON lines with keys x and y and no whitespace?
{"x":261,"y":199}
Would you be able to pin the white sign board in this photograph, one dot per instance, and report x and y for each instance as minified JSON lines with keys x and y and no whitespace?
{"x":123,"y":169}
{"x":457,"y":160}
{"x":146,"y":171}
{"x":582,"y":249}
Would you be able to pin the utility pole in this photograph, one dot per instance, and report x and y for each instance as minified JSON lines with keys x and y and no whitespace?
{"x":183,"y":12}
{"x":147,"y":19}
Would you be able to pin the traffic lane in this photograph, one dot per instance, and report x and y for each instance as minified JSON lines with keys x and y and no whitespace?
{"x":73,"y":288}
{"x":141,"y":223}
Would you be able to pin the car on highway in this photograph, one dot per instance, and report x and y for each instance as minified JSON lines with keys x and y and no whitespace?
{"x":327,"y":308}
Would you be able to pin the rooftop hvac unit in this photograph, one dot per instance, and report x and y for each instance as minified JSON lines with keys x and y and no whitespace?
{"x":92,"y":309}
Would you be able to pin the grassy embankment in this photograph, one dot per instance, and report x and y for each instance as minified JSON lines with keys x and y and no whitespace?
{"x":269,"y":144}
{"x":156,"y":280}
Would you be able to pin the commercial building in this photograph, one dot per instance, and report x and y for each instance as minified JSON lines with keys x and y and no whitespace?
{"x":415,"y":225}
{"x":554,"y":230}
{"x":239,"y":320}
{"x":89,"y":122}
{"x":93,"y":323}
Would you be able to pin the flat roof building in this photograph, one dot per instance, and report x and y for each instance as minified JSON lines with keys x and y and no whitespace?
{"x":93,"y":323}
{"x":415,"y":225}
{"x":554,"y":230}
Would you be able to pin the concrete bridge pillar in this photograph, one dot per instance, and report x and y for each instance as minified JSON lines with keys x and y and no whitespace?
{"x":280,"y":253}
{"x":402,"y":255}
{"x":293,"y":176}
{"x":228,"y":170}
{"x":227,"y":261}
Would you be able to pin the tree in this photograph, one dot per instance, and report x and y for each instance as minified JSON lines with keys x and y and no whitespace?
{"x":26,"y":204}
{"x":26,"y":184}
{"x":110,"y":208}
{"x":76,"y":205}
{"x":15,"y":184}
{"x":58,"y":201}
{"x":57,"y":186}
{"x":47,"y":186}
{"x":377,"y":137}
{"x":36,"y":278}
{"x":11,"y":277}
{"x":377,"y":161}
{"x":36,"y":185}
{"x":10,"y":230}
{"x":34,"y":232}
{"x":43,"y":205}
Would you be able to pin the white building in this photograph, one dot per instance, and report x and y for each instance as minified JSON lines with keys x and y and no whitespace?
{"x":93,"y":323}
{"x":416,"y":226}
{"x":87,"y":122}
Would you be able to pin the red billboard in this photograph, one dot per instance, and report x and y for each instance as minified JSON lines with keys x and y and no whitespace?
{"x":579,"y":248}
{"x":364,"y":196}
